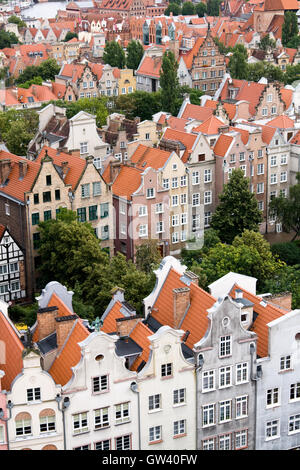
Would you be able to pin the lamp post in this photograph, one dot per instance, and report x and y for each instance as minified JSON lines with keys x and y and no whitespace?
{"x":9,"y":406}
{"x":65,"y":405}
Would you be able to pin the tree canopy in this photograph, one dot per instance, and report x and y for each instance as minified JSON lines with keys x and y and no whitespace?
{"x":7,"y":39}
{"x":46,"y":70}
{"x":237,"y":210}
{"x":169,"y":84}
{"x":17,"y":128}
{"x":114,"y":55}
{"x":173,"y":8}
{"x":95,"y":106}
{"x":188,"y":8}
{"x":290,"y":29}
{"x":147,"y":256}
{"x":16,"y":20}
{"x":201,"y":9}
{"x":135,"y":52}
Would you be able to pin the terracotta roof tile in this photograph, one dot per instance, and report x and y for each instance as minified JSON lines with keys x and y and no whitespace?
{"x":287,"y":96}
{"x":109,"y":324}
{"x":200,"y":113}
{"x":185,"y":138}
{"x":222,"y":145}
{"x":127,"y":182}
{"x":140,"y":335}
{"x":282,"y":122}
{"x":150,"y":66}
{"x":13,"y":349}
{"x":145,"y":157}
{"x":210,"y":126}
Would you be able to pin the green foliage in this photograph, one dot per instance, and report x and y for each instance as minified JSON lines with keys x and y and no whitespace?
{"x":7,"y":39}
{"x":147,"y":256}
{"x":188,"y":8}
{"x":25,"y":314}
{"x":135,"y":52}
{"x":170,"y":92}
{"x":16,"y":20}
{"x":70,"y":36}
{"x":114,"y":55}
{"x":139,"y":103}
{"x":47,"y":70}
{"x":173,"y":8}
{"x":33,"y":81}
{"x":238,"y":65}
{"x":237,"y":210}
{"x":288,"y":252}
{"x":17,"y":128}
{"x":95,"y":106}
{"x":213,"y":7}
{"x":287,"y":209}
{"x":289,"y":27}
{"x":201,"y":9}
{"x":266,"y":42}
{"x":286,"y":280}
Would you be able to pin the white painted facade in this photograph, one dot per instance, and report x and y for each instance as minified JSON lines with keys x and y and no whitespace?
{"x":36,"y":421}
{"x":167,"y":395}
{"x":103,"y":411}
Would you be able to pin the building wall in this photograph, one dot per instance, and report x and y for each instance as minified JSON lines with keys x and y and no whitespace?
{"x":270,"y":99}
{"x":3,"y":437}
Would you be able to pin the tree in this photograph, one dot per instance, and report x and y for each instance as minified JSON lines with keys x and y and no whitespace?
{"x":173,"y":8}
{"x":188,"y":8}
{"x":17,"y":128}
{"x":135,"y":52}
{"x":213,"y":7}
{"x":286,"y":280}
{"x":147,"y":256}
{"x":288,"y":252}
{"x":289,"y":27}
{"x":139,"y":103}
{"x":16,"y":20}
{"x":201,"y":9}
{"x":114,"y":55}
{"x":169,"y":83}
{"x":237,"y":210}
{"x":7,"y":39}
{"x":33,"y":81}
{"x":46,"y":70}
{"x":238,"y":65}
{"x":266,"y":42}
{"x":70,"y":35}
{"x":287,"y":209}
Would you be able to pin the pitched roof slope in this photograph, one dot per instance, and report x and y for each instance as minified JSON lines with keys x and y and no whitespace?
{"x":195,"y":320}
{"x":194,"y":111}
{"x":109,"y":324}
{"x":11,"y":350}
{"x":185,"y":138}
{"x":145,"y":157}
{"x":140,"y":335}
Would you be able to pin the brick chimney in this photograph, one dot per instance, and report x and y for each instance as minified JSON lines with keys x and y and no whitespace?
{"x":283,"y":300}
{"x":181,"y":297}
{"x":115,"y":168}
{"x":192,"y":277}
{"x":5,"y":167}
{"x":46,"y":321}
{"x":126,"y":325}
{"x":23,"y":167}
{"x":64,"y":168}
{"x":63,"y":328}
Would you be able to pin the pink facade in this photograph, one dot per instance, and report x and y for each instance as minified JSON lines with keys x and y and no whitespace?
{"x":3,"y":440}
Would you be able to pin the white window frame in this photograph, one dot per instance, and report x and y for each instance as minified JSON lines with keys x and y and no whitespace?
{"x":242,"y":370}
{"x":208,"y":380}
{"x":241,"y":407}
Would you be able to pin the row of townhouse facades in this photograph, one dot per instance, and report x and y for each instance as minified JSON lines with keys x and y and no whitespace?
{"x":194,"y":373}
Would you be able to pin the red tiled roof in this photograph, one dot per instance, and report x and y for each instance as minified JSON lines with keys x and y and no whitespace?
{"x":230,"y":109}
{"x":222,"y":145}
{"x":150,"y":66}
{"x":70,"y":354}
{"x":185,"y":138}
{"x":282,"y":122}
{"x":177,"y":123}
{"x":244,"y":133}
{"x":13,"y":349}
{"x":194,"y":111}
{"x":195,"y":320}
{"x":189,"y":57}
{"x":126,"y":183}
{"x":140,"y":335}
{"x":287,"y":96}
{"x":296,"y":139}
{"x":210,"y":126}
{"x":265,"y":315}
{"x":109,"y":324}
{"x":145,"y":157}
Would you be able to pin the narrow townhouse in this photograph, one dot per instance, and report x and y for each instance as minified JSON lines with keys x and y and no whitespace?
{"x":3,"y":414}
{"x":12,"y":268}
{"x":278,"y":411}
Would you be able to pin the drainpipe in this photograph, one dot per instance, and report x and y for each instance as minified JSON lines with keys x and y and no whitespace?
{"x":197,"y":369}
{"x":134,"y":388}
{"x":5,"y":420}
{"x":255,"y":378}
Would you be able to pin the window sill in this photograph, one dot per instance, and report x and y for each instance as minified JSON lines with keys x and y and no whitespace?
{"x":101,"y":429}
{"x":123,"y":422}
{"x":155,"y":442}
{"x":176,"y":405}
{"x":80,"y":433}
{"x":179,"y":435}
{"x":155,"y":411}
{"x":168,"y":376}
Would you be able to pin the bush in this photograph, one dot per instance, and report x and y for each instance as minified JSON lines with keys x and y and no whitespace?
{"x":25,"y":314}
{"x":288,"y":252}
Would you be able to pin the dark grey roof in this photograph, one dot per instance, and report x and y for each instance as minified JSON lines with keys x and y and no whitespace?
{"x":186,"y":351}
{"x":47,"y":344}
{"x":54,"y":138}
{"x":127,"y":347}
{"x":153,"y":324}
{"x":244,"y":302}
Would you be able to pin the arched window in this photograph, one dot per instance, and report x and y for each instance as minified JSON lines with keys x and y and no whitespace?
{"x":47,"y":420}
{"x":23,"y":424}
{"x":49,"y":447}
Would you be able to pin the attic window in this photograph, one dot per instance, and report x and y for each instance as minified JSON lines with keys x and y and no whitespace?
{"x":99,"y":357}
{"x":244,"y":317}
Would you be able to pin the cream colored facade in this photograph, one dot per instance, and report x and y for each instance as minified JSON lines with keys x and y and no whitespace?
{"x":147,"y":131}
{"x":127,"y":82}
{"x":167,"y":402}
{"x":36,"y":422}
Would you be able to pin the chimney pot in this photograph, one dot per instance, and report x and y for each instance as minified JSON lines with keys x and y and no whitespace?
{"x":63,"y":328}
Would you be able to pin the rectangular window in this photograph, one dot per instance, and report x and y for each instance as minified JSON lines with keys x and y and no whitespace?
{"x":179,"y":396}
{"x":273,"y":178}
{"x":196,"y":199}
{"x":207,"y":218}
{"x":283,"y":160}
{"x":294,"y":424}
{"x":179,"y":427}
{"x":101,"y":418}
{"x":283,"y":177}
{"x":174,"y":182}
{"x":150,"y":193}
{"x":154,"y":402}
{"x":225,"y":377}
{"x":105,"y":232}
{"x":295,"y":391}
{"x":207,"y":197}
{"x":166,"y":183}
{"x":175,"y":237}
{"x":83,"y":148}
{"x":224,"y":411}
{"x":260,"y":169}
{"x":208,"y":444}
{"x":80,"y":423}
{"x":96,"y":188}
{"x":2,"y":440}
{"x":273,"y":160}
{"x":57,"y":194}
{"x":81,"y":214}
{"x":47,"y":196}
{"x":225,"y":442}
{"x":175,"y":220}
{"x":47,"y":215}
{"x":225,"y":346}
{"x":207,"y":176}
{"x":208,"y":415}
{"x":183,"y":199}
{"x":122,"y":413}
{"x":36,"y":198}
{"x":159,"y":227}
{"x":36,"y":241}
{"x":166,"y":370}
{"x":184,"y":218}
{"x":285,"y":362}
{"x":208,"y":380}
{"x":34,"y":394}
{"x":241,"y":373}
{"x":93,"y":213}
{"x":174,"y":201}
{"x":103,"y":445}
{"x":242,"y":156}
{"x":123,"y":442}
{"x":48,"y":180}
{"x":100,"y":384}
{"x":159,"y":208}
{"x":143,"y":230}
{"x":35,"y":218}
{"x":272,"y":396}
{"x":47,"y":424}
{"x":272,"y":429}
{"x":195,"y":177}
{"x":142,"y":211}
{"x":23,"y":427}
{"x":241,"y":439}
{"x":232,"y":158}
{"x":260,"y":188}
{"x":183,"y":181}
{"x":241,"y":407}
{"x":104,"y":210}
{"x":85,"y":190}
{"x":155,"y":433}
